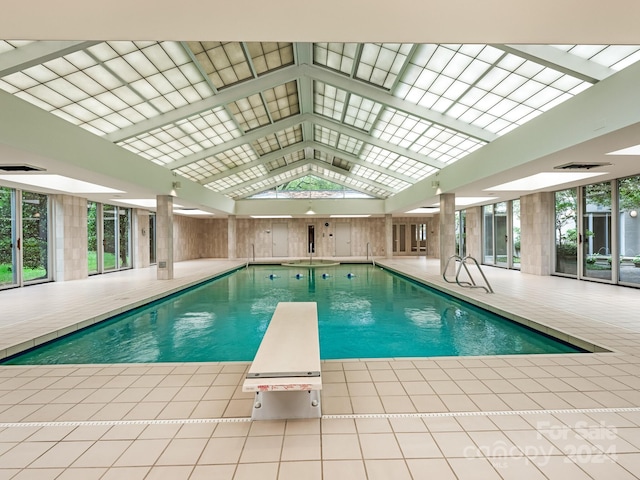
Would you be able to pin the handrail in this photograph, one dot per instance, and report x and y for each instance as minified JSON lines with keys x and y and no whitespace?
{"x":373,"y":260}
{"x":463,"y":264}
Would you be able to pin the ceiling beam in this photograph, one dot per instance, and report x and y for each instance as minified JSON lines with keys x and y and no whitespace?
{"x":560,"y":60}
{"x":356,"y":161}
{"x":245,"y":139}
{"x":381,"y":96}
{"x":360,"y":135}
{"x":37,"y":53}
{"x":226,"y":96}
{"x":269,"y":157}
{"x":339,"y":171}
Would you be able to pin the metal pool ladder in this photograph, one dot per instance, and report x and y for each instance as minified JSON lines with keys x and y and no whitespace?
{"x":373,"y":260}
{"x":463,"y":264}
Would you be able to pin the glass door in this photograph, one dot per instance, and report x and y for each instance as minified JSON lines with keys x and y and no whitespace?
{"x":629,"y":230}
{"x":501,"y":236}
{"x":93,"y":254}
{"x":419,"y":238}
{"x":152,"y":238}
{"x":596,"y":231}
{"x":35,"y":237}
{"x":515,"y":234}
{"x":109,"y":240}
{"x":566,"y":231}
{"x":487,"y":235}
{"x":124,"y":238}
{"x":399,"y":238}
{"x":8,"y":256}
{"x":461,"y":233}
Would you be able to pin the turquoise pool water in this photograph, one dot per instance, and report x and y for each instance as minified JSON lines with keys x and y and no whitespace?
{"x":363,"y":312}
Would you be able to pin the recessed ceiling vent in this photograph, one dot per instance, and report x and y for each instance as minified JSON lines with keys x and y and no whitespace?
{"x":20,"y":168}
{"x":580,"y":166}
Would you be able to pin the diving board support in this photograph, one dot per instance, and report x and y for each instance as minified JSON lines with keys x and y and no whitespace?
{"x":285,"y":373}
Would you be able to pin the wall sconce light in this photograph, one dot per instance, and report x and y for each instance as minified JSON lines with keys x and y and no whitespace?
{"x":175,"y":186}
{"x":310,"y":210}
{"x":633,"y":213}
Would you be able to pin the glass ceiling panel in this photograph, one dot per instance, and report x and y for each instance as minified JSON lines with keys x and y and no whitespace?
{"x":265,"y":145}
{"x":325,"y":135}
{"x":424,"y":137}
{"x":395,"y":162}
{"x":237,"y":156}
{"x":7,"y":45}
{"x":118,"y":82}
{"x":282,"y":101}
{"x":224,"y":62}
{"x":382,"y":178}
{"x":286,"y":160}
{"x":290,"y":136}
{"x":249,"y":112}
{"x":198,"y":132}
{"x":269,"y":56}
{"x":352,"y":182}
{"x":328,"y":101}
{"x":361,"y":112}
{"x":199,"y":170}
{"x":615,"y":57}
{"x":380,"y":63}
{"x":336,"y":56}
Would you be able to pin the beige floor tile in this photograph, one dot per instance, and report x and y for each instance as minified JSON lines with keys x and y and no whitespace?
{"x":474,"y":468}
{"x":222,"y":450}
{"x":232,"y":429}
{"x":379,"y":446}
{"x":82,"y":474}
{"x":262,"y":449}
{"x":63,"y":454}
{"x":23,"y":454}
{"x":348,"y":469}
{"x":196,"y":430}
{"x":130,"y":473}
{"x":251,"y":471}
{"x":38,"y":474}
{"x":301,"y":447}
{"x":142,"y":453}
{"x":307,"y":426}
{"x":267,"y":427}
{"x":398,"y":404}
{"x":430,"y":468}
{"x":209,"y":472}
{"x":182,"y":451}
{"x":386,"y":469}
{"x":373,"y":425}
{"x":311,"y":470}
{"x":341,"y":447}
{"x":169,"y":473}
{"x":102,"y":454}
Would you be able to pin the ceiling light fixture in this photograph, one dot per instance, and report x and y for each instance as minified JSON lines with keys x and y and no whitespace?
{"x":310,"y":210}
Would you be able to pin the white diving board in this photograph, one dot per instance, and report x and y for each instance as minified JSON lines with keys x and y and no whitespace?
{"x":285,"y":373}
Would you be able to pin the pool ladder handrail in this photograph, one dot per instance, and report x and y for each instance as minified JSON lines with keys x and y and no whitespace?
{"x":463,"y":264}
{"x":373,"y":260}
{"x":251,"y":254}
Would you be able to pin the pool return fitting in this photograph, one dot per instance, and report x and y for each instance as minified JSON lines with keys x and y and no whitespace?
{"x":463,"y":264}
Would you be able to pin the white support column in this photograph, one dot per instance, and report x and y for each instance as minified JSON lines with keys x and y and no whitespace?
{"x":164,"y":236}
{"x":447,"y":231}
{"x":231,"y":237}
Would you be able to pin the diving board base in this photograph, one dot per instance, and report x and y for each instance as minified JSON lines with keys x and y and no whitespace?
{"x":279,"y":405}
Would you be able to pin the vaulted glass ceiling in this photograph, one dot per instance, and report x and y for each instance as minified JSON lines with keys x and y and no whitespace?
{"x":245,"y":118}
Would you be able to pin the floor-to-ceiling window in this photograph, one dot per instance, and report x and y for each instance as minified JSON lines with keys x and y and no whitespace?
{"x":24,"y":238}
{"x":109,"y":227}
{"x":629,"y":230}
{"x":152,"y":238}
{"x":501,"y":234}
{"x":566,"y":231}
{"x":461,"y":233}
{"x":8,"y":257}
{"x":596,"y":231}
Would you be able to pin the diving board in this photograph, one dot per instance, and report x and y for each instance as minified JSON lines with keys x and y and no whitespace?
{"x":285,"y":373}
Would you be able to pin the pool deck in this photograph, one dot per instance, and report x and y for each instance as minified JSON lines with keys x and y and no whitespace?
{"x":528,"y":417}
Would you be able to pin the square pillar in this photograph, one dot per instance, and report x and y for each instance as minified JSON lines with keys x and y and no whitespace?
{"x":164,"y":236}
{"x":447,"y":231}
{"x":70,"y":257}
{"x":536,"y":234}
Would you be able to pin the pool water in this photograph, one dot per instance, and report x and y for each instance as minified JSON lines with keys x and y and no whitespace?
{"x":363,"y":312}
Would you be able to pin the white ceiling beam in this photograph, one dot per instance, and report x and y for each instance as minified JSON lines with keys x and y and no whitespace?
{"x":245,"y":139}
{"x":37,"y":53}
{"x":560,"y":60}
{"x":269,"y":157}
{"x":381,"y":96}
{"x":226,"y":96}
{"x":360,"y":135}
{"x":356,"y":161}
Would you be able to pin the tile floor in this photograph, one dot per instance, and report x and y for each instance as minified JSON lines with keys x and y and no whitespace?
{"x":527,"y":417}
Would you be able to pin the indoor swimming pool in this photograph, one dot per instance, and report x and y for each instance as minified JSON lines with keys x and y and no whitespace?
{"x":363,"y":311}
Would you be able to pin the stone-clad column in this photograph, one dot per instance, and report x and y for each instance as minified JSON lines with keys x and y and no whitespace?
{"x":388,"y":235}
{"x":447,"y":231}
{"x":164,"y":236}
{"x":231,"y":237}
{"x":71,"y":237}
{"x":536,"y":223}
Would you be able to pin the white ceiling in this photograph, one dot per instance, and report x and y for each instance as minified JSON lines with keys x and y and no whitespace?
{"x":362,"y":150}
